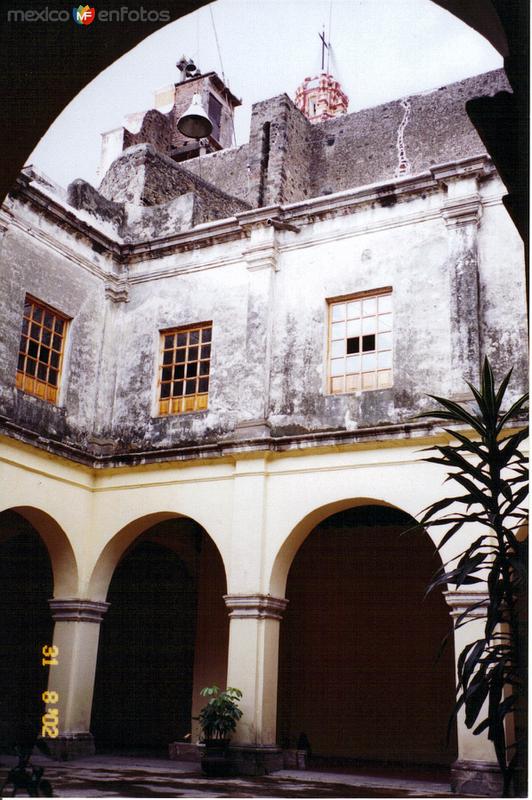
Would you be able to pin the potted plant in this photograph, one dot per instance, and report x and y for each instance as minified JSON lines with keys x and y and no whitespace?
{"x":218,"y":721}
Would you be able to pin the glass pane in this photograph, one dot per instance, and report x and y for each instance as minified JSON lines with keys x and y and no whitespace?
{"x":168,"y":356}
{"x":33,"y":348}
{"x":369,"y":306}
{"x":177,"y":389}
{"x":179,"y":371}
{"x":369,"y":362}
{"x":167,"y":374}
{"x":56,"y":342}
{"x":338,"y":312}
{"x":368,"y":343}
{"x":180,"y":354}
{"x":337,"y":385}
{"x":168,"y":341}
{"x":353,"y":309}
{"x":44,"y":355}
{"x":352,"y":383}
{"x":35,"y":331}
{"x":41,"y":372}
{"x":53,"y":377}
{"x":203,"y":367}
{"x":353,"y":345}
{"x":385,"y":359}
{"x":165,"y":390}
{"x":368,"y":380}
{"x":206,"y":334}
{"x":59,"y":325}
{"x":46,"y":337}
{"x":354,"y":327}
{"x":385,"y":303}
{"x":31,"y":366}
{"x":20,"y":364}
{"x":48,"y":319}
{"x":192,"y":369}
{"x":369,"y":324}
{"x":54,"y":359}
{"x":37,"y":314}
{"x":352,"y":364}
{"x":190,"y":387}
{"x":24,"y":344}
{"x":338,"y":330}
{"x":193,"y":353}
{"x":203,"y":384}
{"x":205,"y":351}
{"x":337,"y":366}
{"x":181,"y":339}
{"x":385,"y":341}
{"x":385,"y":322}
{"x":384,"y":378}
{"x":194,"y":337}
{"x":338,"y":348}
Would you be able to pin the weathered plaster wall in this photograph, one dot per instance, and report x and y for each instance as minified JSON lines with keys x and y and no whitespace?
{"x":227,"y":169}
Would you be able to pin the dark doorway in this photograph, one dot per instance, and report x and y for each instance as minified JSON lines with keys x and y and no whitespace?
{"x":26,"y":585}
{"x":146,"y":653}
{"x":359,"y":673}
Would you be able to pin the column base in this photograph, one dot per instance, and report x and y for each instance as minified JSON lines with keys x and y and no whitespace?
{"x":256,"y":759}
{"x":476,"y":777}
{"x":70,"y":746}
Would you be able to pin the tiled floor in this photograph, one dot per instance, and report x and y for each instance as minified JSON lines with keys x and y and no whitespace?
{"x":127,"y":776}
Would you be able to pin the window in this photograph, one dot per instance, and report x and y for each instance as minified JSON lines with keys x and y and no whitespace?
{"x":360,"y":342}
{"x":41,"y":350}
{"x":185,"y":368}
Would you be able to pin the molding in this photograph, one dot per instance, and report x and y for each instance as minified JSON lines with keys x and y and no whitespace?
{"x":117,"y":292}
{"x":75,"y":610}
{"x":255,"y":606}
{"x":461,"y":601}
{"x":461,"y":211}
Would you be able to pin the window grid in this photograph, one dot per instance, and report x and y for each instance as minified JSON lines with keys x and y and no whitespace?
{"x":360,"y":343}
{"x":185,"y":369}
{"x":41,"y":350}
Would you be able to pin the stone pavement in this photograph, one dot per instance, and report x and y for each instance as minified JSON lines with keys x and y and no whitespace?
{"x":127,"y":776}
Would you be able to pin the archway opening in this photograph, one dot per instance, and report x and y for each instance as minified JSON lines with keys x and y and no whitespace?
{"x":27,"y":584}
{"x":163,"y":637}
{"x":358,"y":668}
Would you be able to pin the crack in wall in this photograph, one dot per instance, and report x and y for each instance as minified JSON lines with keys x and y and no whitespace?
{"x":404,"y":166}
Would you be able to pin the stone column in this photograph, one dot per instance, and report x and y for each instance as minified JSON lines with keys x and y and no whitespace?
{"x":76,"y":633}
{"x":461,"y":212}
{"x":252,"y":667}
{"x":476,"y":770}
{"x":260,"y":255}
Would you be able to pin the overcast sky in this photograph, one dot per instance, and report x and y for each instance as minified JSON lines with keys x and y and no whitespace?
{"x":381,"y":50}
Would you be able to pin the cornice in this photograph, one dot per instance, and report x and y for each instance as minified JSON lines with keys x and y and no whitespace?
{"x":386,"y":193}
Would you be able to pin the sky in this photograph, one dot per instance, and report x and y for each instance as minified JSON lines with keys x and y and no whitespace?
{"x":381,"y":50}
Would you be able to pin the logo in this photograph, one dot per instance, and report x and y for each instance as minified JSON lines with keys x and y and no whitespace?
{"x":84,"y":15}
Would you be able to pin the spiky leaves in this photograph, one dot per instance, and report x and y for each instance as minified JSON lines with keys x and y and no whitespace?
{"x":490,"y":469}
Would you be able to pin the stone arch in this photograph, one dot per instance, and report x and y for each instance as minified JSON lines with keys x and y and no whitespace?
{"x":121,"y":541}
{"x":62,"y":558}
{"x":298,"y":534}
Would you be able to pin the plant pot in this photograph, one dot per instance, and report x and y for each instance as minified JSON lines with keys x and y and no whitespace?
{"x":214,"y":760}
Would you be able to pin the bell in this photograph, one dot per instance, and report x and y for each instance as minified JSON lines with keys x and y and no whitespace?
{"x":195,"y":122}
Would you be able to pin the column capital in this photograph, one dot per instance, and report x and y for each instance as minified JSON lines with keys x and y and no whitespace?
{"x":72,"y":609}
{"x":460,"y":211}
{"x":461,"y":601}
{"x":255,"y":606}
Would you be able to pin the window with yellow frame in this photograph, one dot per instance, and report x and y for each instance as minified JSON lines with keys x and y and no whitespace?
{"x":41,"y":350}
{"x":184,"y":369}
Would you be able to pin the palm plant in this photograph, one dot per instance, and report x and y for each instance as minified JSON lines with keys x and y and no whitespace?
{"x":219,"y":717}
{"x":491,"y":469}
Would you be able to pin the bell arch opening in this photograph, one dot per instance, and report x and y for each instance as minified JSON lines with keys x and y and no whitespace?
{"x":163,"y":638}
{"x":358,"y":668}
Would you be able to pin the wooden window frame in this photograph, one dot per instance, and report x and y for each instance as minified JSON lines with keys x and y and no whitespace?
{"x":41,"y":349}
{"x":360,"y":360}
{"x":175,"y":361}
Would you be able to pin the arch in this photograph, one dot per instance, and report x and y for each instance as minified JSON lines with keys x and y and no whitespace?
{"x":298,"y":534}
{"x":62,"y":557}
{"x":118,"y":544}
